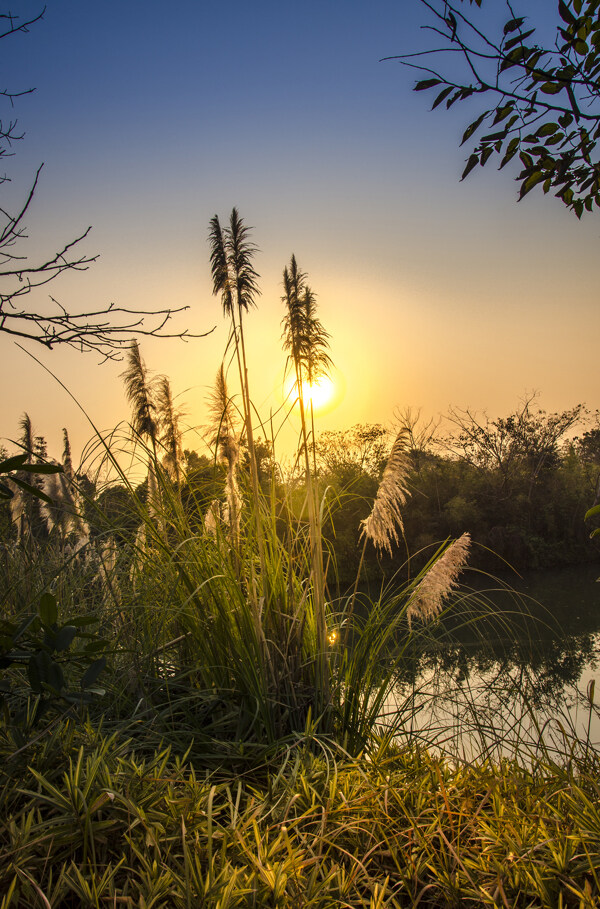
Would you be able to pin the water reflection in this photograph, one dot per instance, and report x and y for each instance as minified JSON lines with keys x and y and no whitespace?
{"x":506,"y":666}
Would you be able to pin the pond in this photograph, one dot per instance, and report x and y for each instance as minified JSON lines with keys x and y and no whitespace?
{"x":511,"y":668}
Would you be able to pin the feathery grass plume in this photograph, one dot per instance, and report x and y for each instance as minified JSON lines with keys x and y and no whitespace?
{"x":303,"y":337}
{"x":428,"y":598}
{"x":168,"y":423}
{"x":318,"y":361}
{"x":212,"y":517}
{"x":64,"y":511}
{"x":139,"y":389}
{"x":27,"y":440}
{"x":380,"y":526}
{"x":306,"y":342}
{"x":66,"y":458}
{"x":18,"y":511}
{"x":25,"y":509}
{"x":240,"y":253}
{"x":235,"y":278}
{"x":223,"y":427}
{"x":224,"y":438}
{"x":233,"y":274}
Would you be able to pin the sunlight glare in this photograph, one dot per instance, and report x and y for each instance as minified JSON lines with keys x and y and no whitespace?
{"x":325,"y":394}
{"x":320,"y":392}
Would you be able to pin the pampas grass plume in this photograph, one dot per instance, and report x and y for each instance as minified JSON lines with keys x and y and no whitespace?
{"x":429,"y":595}
{"x":380,"y":526}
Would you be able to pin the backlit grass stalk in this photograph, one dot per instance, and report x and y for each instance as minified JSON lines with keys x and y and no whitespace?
{"x":306,"y":343}
{"x":386,"y":514}
{"x":236,"y":280}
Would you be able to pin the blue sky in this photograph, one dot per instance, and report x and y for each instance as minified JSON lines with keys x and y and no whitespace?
{"x":150,"y":119}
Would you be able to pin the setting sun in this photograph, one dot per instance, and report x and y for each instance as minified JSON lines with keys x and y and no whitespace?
{"x":322,"y":393}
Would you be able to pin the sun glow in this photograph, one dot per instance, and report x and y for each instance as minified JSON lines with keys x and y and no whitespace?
{"x":325,"y":394}
{"x":320,"y":393}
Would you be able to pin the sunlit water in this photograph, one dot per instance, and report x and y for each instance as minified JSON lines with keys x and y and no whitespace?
{"x":520,"y":682}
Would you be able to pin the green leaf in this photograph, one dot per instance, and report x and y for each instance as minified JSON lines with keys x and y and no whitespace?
{"x":532,"y":180}
{"x":567,"y":195}
{"x":595,"y":509}
{"x":518,"y":39}
{"x":513,"y":24}
{"x":565,"y":13}
{"x":503,"y":112}
{"x":13,"y":463}
{"x":426,"y":83}
{"x":64,"y":638}
{"x":443,"y":94}
{"x":552,"y":88}
{"x":473,"y":127}
{"x":94,"y":647}
{"x":511,"y":150}
{"x":486,"y":154}
{"x":81,"y":620}
{"x":48,"y":609}
{"x":33,"y":490}
{"x":54,"y":676}
{"x":548,"y":129}
{"x":42,"y":468}
{"x":471,"y":163}
{"x":91,"y":674}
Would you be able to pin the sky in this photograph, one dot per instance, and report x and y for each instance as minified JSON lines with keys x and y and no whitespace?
{"x":150,"y":119}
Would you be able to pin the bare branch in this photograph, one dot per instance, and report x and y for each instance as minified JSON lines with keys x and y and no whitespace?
{"x":106,"y":331}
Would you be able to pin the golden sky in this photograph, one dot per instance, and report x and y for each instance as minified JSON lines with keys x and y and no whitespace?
{"x":435,"y":293}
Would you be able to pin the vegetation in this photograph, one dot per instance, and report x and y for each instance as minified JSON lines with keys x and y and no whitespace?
{"x":543,"y":100}
{"x":519,"y":485}
{"x":194,"y":712}
{"x":94,"y":822}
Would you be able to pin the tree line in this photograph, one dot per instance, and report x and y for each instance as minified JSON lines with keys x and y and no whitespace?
{"x":519,"y":485}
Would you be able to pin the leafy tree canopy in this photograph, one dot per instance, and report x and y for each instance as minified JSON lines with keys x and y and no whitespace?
{"x":540,"y":103}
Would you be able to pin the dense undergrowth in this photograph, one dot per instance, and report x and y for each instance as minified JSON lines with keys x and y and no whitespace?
{"x":92,"y":822}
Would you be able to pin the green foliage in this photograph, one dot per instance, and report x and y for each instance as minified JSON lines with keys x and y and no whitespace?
{"x":10,"y":468}
{"x":514,"y":483}
{"x":57,"y":664}
{"x":93,"y":821}
{"x":544,"y":101}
